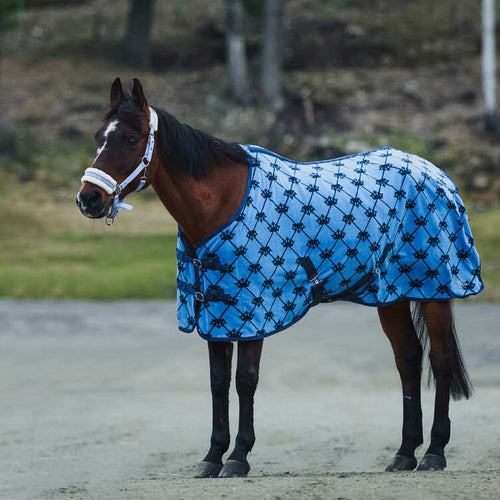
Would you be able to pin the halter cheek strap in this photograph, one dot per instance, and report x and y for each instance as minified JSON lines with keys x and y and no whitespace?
{"x":110,"y":186}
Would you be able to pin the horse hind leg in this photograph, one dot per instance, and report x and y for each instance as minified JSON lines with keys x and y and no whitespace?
{"x":396,"y":321}
{"x":247,"y":377}
{"x":450,"y":377}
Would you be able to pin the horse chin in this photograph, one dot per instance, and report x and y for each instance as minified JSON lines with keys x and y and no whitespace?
{"x":105,"y":209}
{"x":92,"y":216}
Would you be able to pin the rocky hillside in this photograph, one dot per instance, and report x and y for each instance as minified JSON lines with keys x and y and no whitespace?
{"x":357,"y":75}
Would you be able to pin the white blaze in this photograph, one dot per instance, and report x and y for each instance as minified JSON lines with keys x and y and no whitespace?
{"x":110,"y":128}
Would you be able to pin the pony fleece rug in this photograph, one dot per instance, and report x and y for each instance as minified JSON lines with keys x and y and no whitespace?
{"x":372,"y":228}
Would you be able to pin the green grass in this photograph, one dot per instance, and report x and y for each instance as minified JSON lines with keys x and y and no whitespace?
{"x":49,"y":251}
{"x":55,"y":165}
{"x":486,"y":230}
{"x":87,"y":266}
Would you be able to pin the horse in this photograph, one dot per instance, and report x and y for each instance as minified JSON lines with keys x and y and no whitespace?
{"x":214,"y":188}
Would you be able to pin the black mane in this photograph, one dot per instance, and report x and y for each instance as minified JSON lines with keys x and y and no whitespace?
{"x":188,"y":150}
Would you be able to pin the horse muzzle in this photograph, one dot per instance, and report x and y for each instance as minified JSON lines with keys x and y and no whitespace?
{"x":93,"y":204}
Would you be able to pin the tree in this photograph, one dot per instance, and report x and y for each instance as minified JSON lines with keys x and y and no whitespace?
{"x":137,"y":38}
{"x":488,"y":56}
{"x":272,"y":53}
{"x":235,"y":49}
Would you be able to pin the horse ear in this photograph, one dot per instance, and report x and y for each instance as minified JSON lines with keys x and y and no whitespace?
{"x":138,"y":95}
{"x":116,"y":93}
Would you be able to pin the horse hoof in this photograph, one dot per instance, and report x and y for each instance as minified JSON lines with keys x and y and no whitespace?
{"x":233,"y":468}
{"x":208,"y":469}
{"x":400,"y":462}
{"x":432,"y":462}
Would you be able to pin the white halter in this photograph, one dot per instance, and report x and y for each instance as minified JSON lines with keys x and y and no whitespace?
{"x":108,"y":184}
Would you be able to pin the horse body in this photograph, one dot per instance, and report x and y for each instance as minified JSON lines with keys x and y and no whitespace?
{"x":373,"y":228}
{"x":380,"y":228}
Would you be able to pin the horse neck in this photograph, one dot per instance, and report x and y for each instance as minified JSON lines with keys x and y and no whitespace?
{"x":201,"y":206}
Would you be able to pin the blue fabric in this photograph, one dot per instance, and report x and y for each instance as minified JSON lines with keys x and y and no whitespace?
{"x":376,"y":228}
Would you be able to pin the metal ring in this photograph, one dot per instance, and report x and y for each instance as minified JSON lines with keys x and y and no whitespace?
{"x":197,"y":263}
{"x":199,"y":296}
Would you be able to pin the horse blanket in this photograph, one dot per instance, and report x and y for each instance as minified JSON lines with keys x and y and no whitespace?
{"x":373,"y":228}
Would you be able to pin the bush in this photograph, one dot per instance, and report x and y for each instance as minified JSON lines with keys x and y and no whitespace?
{"x":7,"y":9}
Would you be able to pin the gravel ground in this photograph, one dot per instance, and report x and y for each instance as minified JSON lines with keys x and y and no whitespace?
{"x":109,"y":400}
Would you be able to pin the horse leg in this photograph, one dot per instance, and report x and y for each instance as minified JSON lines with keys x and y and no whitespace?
{"x":397,"y":324}
{"x":247,"y":377}
{"x":450,"y":376}
{"x":220,"y":354}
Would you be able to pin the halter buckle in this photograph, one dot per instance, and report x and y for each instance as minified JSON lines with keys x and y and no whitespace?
{"x":109,"y":220}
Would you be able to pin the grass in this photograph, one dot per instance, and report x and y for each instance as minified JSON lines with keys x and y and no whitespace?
{"x":49,"y":251}
{"x":487,"y":237}
{"x":55,"y":165}
{"x":85,"y":266}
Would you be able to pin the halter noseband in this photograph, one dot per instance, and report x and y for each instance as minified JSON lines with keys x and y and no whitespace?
{"x":108,"y":184}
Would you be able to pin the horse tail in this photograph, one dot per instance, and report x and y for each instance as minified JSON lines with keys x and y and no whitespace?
{"x":460,"y":383}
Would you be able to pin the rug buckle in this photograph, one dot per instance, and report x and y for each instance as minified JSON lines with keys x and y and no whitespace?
{"x":315,"y":279}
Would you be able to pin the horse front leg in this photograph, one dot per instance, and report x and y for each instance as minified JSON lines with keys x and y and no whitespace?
{"x":397,"y":324}
{"x":247,"y":377}
{"x":220,"y":354}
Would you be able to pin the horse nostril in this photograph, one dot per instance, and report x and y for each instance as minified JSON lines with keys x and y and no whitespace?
{"x":91,"y":199}
{"x":95,"y":198}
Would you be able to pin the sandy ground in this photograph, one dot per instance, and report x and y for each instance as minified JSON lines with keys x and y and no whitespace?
{"x":108,"y":401}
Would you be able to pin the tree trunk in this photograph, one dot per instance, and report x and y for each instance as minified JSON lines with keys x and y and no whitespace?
{"x":488,"y":55}
{"x":272,"y":53}
{"x":235,"y":49}
{"x":137,"y":39}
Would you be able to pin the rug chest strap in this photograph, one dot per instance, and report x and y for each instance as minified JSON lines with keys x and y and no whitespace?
{"x":216,"y":295}
{"x":313,"y":276}
{"x":203,"y":263}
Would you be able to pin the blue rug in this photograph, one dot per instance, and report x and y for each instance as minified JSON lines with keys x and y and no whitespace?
{"x":373,"y":228}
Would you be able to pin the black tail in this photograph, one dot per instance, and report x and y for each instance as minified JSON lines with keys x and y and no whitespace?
{"x":460,"y":383}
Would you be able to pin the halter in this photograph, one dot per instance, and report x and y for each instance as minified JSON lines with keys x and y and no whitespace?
{"x":108,"y":184}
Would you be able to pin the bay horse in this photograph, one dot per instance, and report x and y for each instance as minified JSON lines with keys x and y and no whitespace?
{"x":262,"y":239}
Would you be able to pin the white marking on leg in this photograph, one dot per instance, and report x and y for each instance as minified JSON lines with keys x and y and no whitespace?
{"x":110,"y":128}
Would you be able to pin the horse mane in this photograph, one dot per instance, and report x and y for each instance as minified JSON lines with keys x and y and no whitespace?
{"x":188,"y":150}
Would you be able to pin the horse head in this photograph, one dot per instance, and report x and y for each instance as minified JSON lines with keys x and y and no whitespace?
{"x":125,"y":147}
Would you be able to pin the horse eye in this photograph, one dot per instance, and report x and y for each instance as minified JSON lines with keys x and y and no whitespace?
{"x":132,"y":141}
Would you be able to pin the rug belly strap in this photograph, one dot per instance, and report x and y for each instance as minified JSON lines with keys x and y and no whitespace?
{"x":317,"y":289}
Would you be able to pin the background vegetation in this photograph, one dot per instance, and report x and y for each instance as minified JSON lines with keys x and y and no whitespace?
{"x":356,"y":75}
